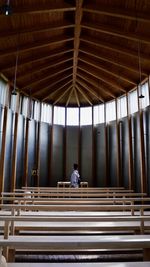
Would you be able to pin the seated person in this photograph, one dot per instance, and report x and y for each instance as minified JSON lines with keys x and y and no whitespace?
{"x":75,"y":177}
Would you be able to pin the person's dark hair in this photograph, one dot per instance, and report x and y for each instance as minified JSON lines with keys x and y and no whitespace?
{"x":75,"y":166}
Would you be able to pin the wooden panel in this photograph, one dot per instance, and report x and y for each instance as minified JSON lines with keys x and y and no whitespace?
{"x":44,"y":154}
{"x":14,"y":154}
{"x":31,"y":151}
{"x":101,"y":164}
{"x":98,"y":40}
{"x":20,"y":151}
{"x":8,"y":151}
{"x":3,"y":148}
{"x":71,"y":149}
{"x":57,"y":155}
{"x":86,"y":154}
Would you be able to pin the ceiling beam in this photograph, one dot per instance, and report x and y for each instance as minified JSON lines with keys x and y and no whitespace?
{"x":35,"y":9}
{"x":77,"y":97}
{"x":77,"y":30}
{"x":33,"y":30}
{"x":56,"y":90}
{"x":51,"y":85}
{"x":110,"y":82}
{"x":89,"y":89}
{"x":116,"y":32}
{"x":45,"y":77}
{"x":43,"y":67}
{"x":117,"y":12}
{"x":62,"y":95}
{"x":115,"y":61}
{"x":37,"y":58}
{"x":83,"y":94}
{"x":69,"y":96}
{"x":35,"y":45}
{"x":97,"y":65}
{"x":96,"y":85}
{"x":51,"y":76}
{"x":113,"y":47}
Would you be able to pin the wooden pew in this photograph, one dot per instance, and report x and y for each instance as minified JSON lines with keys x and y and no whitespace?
{"x":83,"y":264}
{"x":73,"y":201}
{"x":65,"y":184}
{"x":73,"y":193}
{"x":79,"y":244}
{"x":76,"y":224}
{"x":84,"y":208}
{"x":66,"y":189}
{"x":89,"y":188}
{"x":76,"y":201}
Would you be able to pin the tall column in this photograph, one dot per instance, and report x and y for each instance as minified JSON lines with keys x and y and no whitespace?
{"x":130,"y":154}
{"x":94,"y":178}
{"x":142,"y":149}
{"x":119,"y":176}
{"x":79,"y":144}
{"x":149,"y":87}
{"x":64,"y":146}
{"x":25,"y":175}
{"x":14,"y":149}
{"x":3,"y":148}
{"x":51,"y":146}
{"x":14,"y":153}
{"x":107,"y":179}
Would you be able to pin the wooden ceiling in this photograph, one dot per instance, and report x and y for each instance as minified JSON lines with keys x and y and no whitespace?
{"x":75,"y":53}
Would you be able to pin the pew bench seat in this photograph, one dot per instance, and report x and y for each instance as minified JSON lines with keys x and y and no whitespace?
{"x":83,"y":264}
{"x":73,"y":194}
{"x":76,"y":244}
{"x":75,"y":224}
{"x":83,"y":208}
{"x":83,"y":227}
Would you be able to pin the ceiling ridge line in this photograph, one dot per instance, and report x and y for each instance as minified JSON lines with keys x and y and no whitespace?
{"x":77,"y":31}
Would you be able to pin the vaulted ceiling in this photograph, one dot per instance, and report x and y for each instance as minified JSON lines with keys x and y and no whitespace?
{"x":75,"y":53}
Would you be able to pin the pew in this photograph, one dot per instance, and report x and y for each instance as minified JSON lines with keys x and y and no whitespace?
{"x":131,"y":208}
{"x":69,"y":189}
{"x":89,"y":188}
{"x":72,"y":201}
{"x":79,"y":244}
{"x":75,"y":224}
{"x":73,"y":193}
{"x":95,"y":205}
{"x":77,"y":201}
{"x":68,"y":184}
{"x":83,"y":264}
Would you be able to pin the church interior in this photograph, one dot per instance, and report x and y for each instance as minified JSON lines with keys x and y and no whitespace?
{"x":74,"y":133}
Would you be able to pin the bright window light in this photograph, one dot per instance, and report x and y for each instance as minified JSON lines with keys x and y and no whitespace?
{"x":122,"y":107}
{"x":144,"y":102}
{"x":99,"y":114}
{"x":86,"y":116}
{"x":3,"y":92}
{"x":46,"y":113}
{"x":59,"y":115}
{"x":110,"y":111}
{"x":25,"y":105}
{"x":14,"y":102}
{"x":72,"y":116}
{"x":36,"y":113}
{"x":133,"y":101}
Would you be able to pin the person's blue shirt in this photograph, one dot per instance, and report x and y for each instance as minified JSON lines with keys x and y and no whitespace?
{"x":75,"y":179}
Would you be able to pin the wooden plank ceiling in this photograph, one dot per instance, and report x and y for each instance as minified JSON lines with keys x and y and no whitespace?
{"x":75,"y":53}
